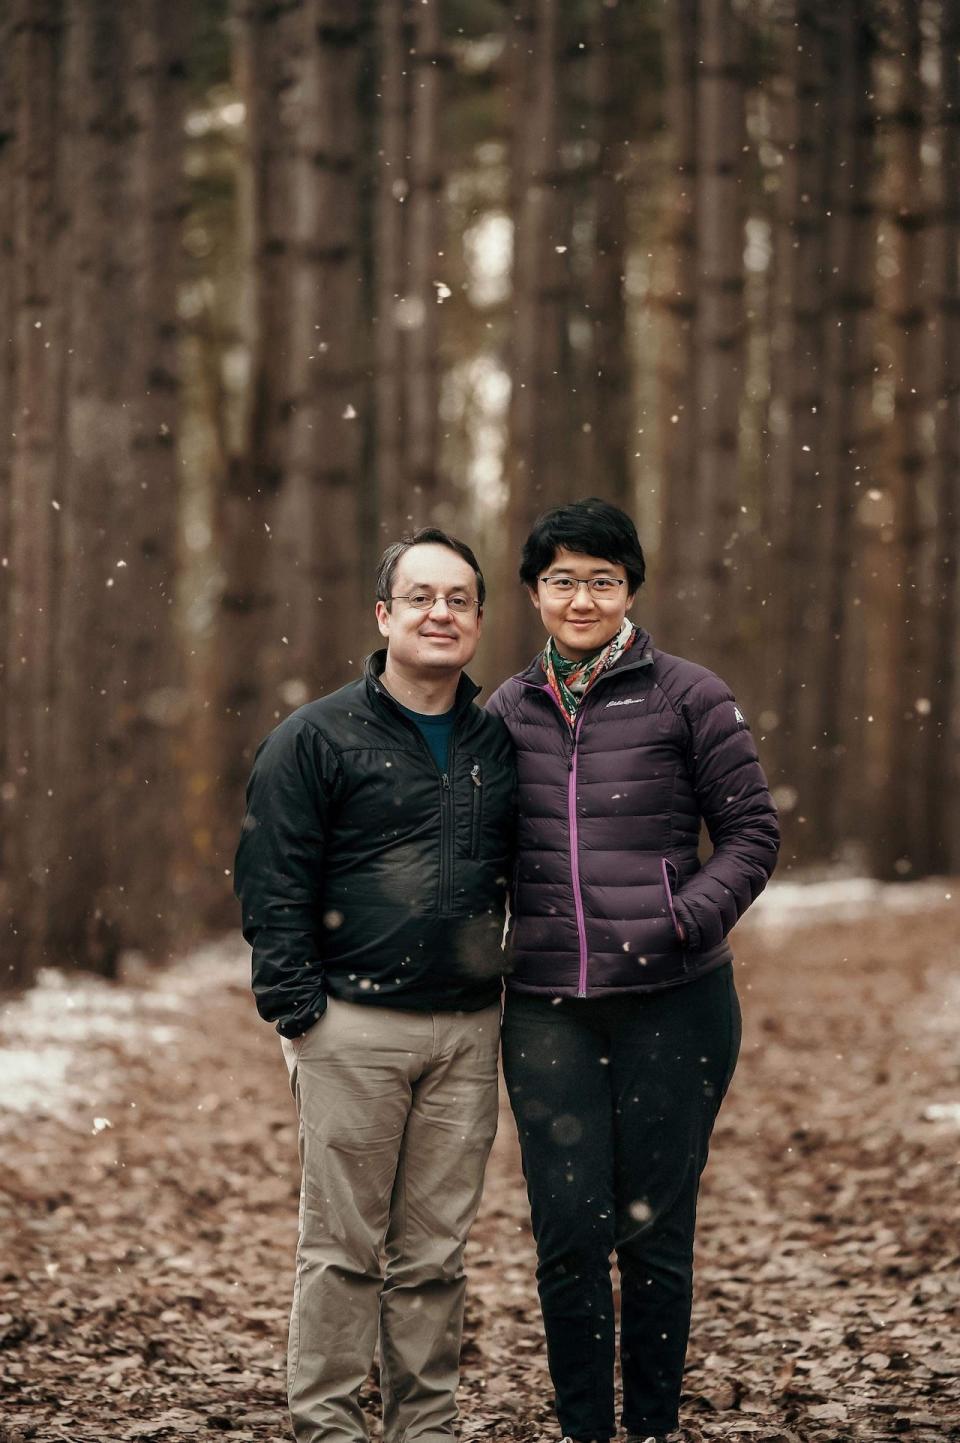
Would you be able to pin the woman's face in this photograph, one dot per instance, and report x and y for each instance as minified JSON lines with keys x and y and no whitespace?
{"x":581,"y":619}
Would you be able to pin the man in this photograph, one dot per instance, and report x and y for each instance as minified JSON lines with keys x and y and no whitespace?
{"x":372,"y":873}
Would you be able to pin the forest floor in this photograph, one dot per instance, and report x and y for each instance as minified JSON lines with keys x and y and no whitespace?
{"x":149,"y":1197}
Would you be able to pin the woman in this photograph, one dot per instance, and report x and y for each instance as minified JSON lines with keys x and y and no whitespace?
{"x":621,"y":1024}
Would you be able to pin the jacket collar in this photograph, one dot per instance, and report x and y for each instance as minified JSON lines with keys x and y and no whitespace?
{"x":467,"y":690}
{"x":639,"y":655}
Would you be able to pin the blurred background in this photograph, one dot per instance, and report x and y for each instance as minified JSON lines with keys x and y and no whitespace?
{"x":280,"y":279}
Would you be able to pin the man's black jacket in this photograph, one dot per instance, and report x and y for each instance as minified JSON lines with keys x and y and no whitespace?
{"x":363,"y":871}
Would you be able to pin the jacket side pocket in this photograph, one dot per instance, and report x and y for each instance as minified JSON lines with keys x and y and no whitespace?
{"x":666,"y":868}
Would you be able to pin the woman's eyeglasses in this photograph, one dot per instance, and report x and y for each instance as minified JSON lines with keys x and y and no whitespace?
{"x":559,"y":586}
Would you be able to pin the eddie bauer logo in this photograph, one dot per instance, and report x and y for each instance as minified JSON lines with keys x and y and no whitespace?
{"x":627,"y":701}
{"x":741,"y":719}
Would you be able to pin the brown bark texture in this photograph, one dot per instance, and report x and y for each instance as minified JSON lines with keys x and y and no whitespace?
{"x":98,"y":477}
{"x":678,"y":352}
{"x":898,"y":648}
{"x":8,"y":133}
{"x":614,"y":48}
{"x":712,"y":552}
{"x":846,"y":400}
{"x":250,"y":623}
{"x":545,"y":410}
{"x":32,"y":362}
{"x":391,"y":195}
{"x":412,"y":65}
{"x":940,"y":775}
{"x":151,"y":745}
{"x":319,"y":519}
{"x":798,"y":524}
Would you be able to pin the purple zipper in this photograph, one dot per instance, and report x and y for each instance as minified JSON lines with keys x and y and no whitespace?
{"x":575,"y":860}
{"x":666,"y":887}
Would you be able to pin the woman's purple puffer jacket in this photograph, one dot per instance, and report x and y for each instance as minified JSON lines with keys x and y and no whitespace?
{"x":607,"y":866}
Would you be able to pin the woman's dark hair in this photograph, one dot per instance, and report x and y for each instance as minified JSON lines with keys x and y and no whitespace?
{"x":390,"y":559}
{"x":590,"y":528}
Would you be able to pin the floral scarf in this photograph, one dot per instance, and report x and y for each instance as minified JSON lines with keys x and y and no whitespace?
{"x":571,"y":680}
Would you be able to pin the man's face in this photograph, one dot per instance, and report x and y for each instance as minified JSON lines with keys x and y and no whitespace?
{"x":440,"y":637}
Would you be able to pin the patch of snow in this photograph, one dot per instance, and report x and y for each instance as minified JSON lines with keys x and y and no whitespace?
{"x":70,"y":1026}
{"x":31,"y":1076}
{"x":845,"y":899}
{"x":943,"y":1112}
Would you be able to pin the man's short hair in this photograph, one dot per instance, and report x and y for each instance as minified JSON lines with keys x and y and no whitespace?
{"x":589,"y":528}
{"x":390,"y":559}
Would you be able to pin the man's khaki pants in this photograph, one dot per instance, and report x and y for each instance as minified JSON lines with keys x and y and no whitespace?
{"x":398,"y":1111}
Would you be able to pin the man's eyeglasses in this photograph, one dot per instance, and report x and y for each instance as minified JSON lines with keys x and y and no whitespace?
{"x":426,"y":601}
{"x":567,"y":586}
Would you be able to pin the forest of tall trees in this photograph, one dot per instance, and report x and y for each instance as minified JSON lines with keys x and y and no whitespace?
{"x":279,"y":281}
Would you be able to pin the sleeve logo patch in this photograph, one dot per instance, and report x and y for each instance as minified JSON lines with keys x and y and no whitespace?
{"x":741,"y":719}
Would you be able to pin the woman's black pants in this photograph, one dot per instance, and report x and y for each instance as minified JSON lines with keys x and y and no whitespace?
{"x":615,"y":1099}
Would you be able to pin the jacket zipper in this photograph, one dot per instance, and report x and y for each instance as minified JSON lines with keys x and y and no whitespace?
{"x":446,"y":841}
{"x":475,"y":807}
{"x":575,"y":856}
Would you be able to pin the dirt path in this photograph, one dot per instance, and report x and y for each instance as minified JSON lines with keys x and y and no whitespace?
{"x":148,"y":1202}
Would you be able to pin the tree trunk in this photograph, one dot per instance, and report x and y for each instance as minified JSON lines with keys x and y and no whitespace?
{"x":899,"y":669}
{"x":412,"y":63}
{"x":333,"y":402}
{"x":846,"y":437}
{"x":149,"y":776}
{"x":939,"y":781}
{"x":388,"y":261}
{"x":251,"y":620}
{"x":8,"y":136}
{"x":797,"y":455}
{"x":720,"y":321}
{"x":678,"y":352}
{"x":31,"y":395}
{"x":424,"y":213}
{"x":605,"y":445}
{"x":541,"y":433}
{"x":97,"y":483}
